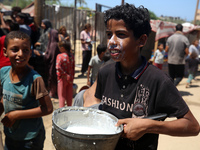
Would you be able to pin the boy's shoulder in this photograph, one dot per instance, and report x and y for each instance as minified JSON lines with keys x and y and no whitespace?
{"x":108,"y":67}
{"x":5,"y":70}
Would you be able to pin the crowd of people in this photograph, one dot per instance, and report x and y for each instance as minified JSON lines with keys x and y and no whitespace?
{"x":37,"y":65}
{"x":181,"y":55}
{"x":44,"y":61}
{"x":44,"y":46}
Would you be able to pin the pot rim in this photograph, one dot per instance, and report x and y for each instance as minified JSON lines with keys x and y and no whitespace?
{"x":88,"y":136}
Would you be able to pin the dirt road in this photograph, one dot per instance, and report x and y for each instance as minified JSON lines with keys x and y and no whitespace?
{"x":190,"y":95}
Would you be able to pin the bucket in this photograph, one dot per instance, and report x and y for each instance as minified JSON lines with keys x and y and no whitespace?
{"x":86,"y":122}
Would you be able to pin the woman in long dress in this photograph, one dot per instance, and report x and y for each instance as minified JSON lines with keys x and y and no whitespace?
{"x":50,"y":62}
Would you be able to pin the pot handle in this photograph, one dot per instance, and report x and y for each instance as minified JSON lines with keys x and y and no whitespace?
{"x":159,"y":116}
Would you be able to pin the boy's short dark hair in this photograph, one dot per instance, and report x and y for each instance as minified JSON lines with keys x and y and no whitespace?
{"x":65,"y":44}
{"x":179,"y":27}
{"x":101,"y":48}
{"x":16,"y":34}
{"x":136,"y":19}
{"x":22,"y":15}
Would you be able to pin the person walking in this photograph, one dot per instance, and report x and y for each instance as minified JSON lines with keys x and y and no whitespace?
{"x":95,"y":63}
{"x":194,"y":48}
{"x":192,"y":67}
{"x":177,"y":48}
{"x":86,"y":47}
{"x":192,"y":61}
{"x":159,"y":56}
{"x":65,"y":65}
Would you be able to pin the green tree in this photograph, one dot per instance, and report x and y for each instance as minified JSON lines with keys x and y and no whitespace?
{"x":6,"y":2}
{"x":51,"y":2}
{"x":153,"y":15}
{"x":81,"y":2}
{"x":21,"y":3}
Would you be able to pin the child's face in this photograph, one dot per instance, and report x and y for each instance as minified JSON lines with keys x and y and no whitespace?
{"x":43,"y":26}
{"x":62,"y":50}
{"x":196,"y":43}
{"x":160,"y":47}
{"x":121,"y":42}
{"x":63,"y":31}
{"x":18,"y":19}
{"x":19,"y":52}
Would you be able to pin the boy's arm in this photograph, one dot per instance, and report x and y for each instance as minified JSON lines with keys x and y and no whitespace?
{"x":166,"y":48}
{"x":88,"y":75}
{"x":45,"y":108}
{"x":135,"y":128}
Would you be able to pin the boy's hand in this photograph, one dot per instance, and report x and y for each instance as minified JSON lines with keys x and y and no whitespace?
{"x":9,"y":119}
{"x":134,"y":128}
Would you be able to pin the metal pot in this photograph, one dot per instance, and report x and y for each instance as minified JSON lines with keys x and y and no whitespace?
{"x":65,"y":117}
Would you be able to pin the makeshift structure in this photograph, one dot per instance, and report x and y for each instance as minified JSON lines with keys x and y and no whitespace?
{"x":161,"y":30}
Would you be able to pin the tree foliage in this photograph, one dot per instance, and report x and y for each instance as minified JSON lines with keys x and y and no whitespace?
{"x":81,"y":2}
{"x":51,"y":2}
{"x":197,"y":22}
{"x":153,"y":15}
{"x":20,"y":3}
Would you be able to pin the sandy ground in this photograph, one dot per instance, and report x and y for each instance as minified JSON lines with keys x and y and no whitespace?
{"x":190,"y":95}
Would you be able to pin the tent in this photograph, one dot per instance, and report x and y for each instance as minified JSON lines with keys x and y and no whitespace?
{"x":29,"y":9}
{"x":165,"y":29}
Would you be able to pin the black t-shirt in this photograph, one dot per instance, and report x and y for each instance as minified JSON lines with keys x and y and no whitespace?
{"x":148,"y":93}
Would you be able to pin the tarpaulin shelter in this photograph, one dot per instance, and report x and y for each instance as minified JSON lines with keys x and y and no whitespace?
{"x":29,"y":9}
{"x":162,"y":30}
{"x":165,"y":29}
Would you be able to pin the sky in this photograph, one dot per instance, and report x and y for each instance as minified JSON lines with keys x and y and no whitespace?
{"x":185,"y":9}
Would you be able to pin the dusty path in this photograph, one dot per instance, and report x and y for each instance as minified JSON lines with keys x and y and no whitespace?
{"x":190,"y":95}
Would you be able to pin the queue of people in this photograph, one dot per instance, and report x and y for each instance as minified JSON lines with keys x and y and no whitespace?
{"x":28,"y":78}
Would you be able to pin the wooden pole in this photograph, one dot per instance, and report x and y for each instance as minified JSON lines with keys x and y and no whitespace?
{"x":122,"y":2}
{"x":95,"y":28}
{"x":156,"y":45}
{"x":38,"y":11}
{"x":197,"y":6}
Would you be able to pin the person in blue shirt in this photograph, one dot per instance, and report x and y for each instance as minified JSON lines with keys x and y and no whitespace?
{"x":25,"y":99}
